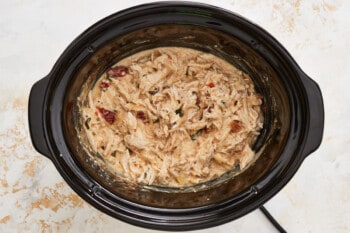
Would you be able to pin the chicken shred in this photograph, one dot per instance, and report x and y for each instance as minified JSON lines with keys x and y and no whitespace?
{"x":182,"y":117}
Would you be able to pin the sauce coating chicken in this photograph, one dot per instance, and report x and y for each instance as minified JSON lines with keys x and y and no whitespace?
{"x":173,"y":116}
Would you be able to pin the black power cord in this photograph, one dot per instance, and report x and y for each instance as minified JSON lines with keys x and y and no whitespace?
{"x":272,"y":220}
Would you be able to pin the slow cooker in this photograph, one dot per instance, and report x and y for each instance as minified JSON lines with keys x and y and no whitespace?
{"x":292,"y":105}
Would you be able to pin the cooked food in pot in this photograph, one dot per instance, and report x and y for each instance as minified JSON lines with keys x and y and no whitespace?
{"x":172,"y":116}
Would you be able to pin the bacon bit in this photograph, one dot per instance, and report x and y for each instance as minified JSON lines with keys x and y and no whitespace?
{"x":206,"y":130}
{"x":210,"y":109}
{"x":104,"y":85}
{"x":141,"y":115}
{"x":235,"y":126}
{"x":109,"y":116}
{"x":198,"y":100}
{"x":118,"y":71}
{"x":169,"y":57}
{"x":211,"y":85}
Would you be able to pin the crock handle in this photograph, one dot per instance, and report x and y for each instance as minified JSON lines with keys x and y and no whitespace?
{"x":316,"y":113}
{"x":35,"y":116}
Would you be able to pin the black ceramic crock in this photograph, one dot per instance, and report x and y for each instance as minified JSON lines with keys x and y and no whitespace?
{"x":293,"y":110}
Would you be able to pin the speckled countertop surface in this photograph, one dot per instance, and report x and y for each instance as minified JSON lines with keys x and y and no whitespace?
{"x":33,"y":196}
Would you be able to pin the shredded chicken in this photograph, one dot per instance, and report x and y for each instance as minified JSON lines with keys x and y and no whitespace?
{"x":173,"y":116}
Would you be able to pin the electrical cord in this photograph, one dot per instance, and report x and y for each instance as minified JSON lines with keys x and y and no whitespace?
{"x":272,"y":220}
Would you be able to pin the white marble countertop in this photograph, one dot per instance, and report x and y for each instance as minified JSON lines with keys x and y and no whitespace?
{"x":33,"y":196}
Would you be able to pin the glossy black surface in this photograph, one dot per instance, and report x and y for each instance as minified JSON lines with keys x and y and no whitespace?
{"x":293,"y":124}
